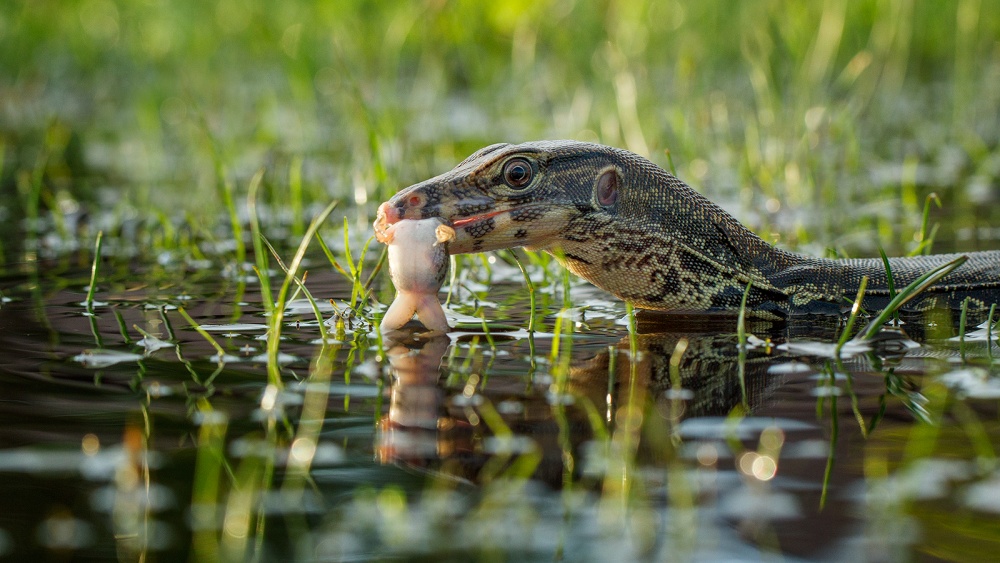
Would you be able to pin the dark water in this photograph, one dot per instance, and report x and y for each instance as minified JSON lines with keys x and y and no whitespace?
{"x":125,"y":436}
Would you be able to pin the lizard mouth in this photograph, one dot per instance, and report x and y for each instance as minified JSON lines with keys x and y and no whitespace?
{"x":459,"y":223}
{"x":388,"y":216}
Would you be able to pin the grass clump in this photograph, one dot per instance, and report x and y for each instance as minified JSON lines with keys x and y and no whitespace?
{"x":905,"y":295}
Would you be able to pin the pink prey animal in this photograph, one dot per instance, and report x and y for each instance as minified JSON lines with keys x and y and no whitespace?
{"x":418,"y":266}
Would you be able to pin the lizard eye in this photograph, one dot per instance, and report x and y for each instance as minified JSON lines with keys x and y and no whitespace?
{"x":517,"y":173}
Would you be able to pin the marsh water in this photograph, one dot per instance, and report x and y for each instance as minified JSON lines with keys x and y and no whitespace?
{"x":169,"y":393}
{"x":127,"y":435}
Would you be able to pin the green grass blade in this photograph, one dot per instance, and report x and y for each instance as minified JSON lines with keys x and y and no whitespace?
{"x":926,"y":240}
{"x":989,"y":332}
{"x":204,"y":333}
{"x":94,"y":267}
{"x":961,"y":327}
{"x":834,"y":436}
{"x":889,"y":281}
{"x":907,"y":294}
{"x":854,"y":314}
{"x":278,"y":312}
{"x":531,"y":292}
{"x":347,"y":250}
{"x":670,"y":161}
{"x":633,"y":333}
{"x":741,"y":329}
{"x":295,"y":195}
{"x":382,"y":257}
{"x":300,"y":283}
{"x":741,"y":337}
{"x":329,"y":256}
{"x":226,"y":192}
{"x":262,"y":265}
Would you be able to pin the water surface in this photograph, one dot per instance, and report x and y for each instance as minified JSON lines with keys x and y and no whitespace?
{"x":124,"y":434}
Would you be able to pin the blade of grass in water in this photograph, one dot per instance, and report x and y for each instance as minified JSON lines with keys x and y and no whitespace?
{"x":670,"y":161}
{"x":889,"y":281}
{"x":906,"y":294}
{"x":675,"y":364}
{"x":258,"y":247}
{"x":854,"y":314}
{"x":278,"y":311}
{"x":486,"y":330}
{"x":122,"y":328}
{"x":961,"y":327}
{"x":989,"y":332}
{"x":93,"y":272}
{"x":347,"y":250}
{"x":741,"y":331}
{"x":333,"y":260}
{"x":562,"y":349}
{"x":926,"y":240}
{"x":226,"y":190}
{"x":295,"y":195}
{"x":531,"y":292}
{"x":210,"y":460}
{"x":359,"y":290}
{"x":300,"y":283}
{"x":378,"y":268}
{"x":452,"y":278}
{"x":834,"y":435}
{"x":855,"y":407}
{"x":204,"y":333}
{"x":633,"y":336}
{"x":741,"y":336}
{"x":195,"y":375}
{"x":612,"y":374}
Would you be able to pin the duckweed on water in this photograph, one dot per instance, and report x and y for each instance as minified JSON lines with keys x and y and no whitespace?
{"x":190,"y":368}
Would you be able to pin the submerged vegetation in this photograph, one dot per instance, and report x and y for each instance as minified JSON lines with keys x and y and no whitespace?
{"x":189,"y":287}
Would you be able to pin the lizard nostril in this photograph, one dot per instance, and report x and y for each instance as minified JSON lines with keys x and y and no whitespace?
{"x":415,"y":201}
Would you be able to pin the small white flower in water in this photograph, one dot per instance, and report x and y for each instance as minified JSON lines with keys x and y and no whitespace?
{"x":152,"y":344}
{"x":104,"y":358}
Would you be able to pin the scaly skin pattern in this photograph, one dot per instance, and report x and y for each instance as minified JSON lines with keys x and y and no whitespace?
{"x":630,"y":228}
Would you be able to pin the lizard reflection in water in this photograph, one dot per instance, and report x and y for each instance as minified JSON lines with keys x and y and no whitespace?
{"x":428,"y":425}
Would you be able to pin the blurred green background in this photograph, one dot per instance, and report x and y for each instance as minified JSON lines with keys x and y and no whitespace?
{"x":795,"y":115}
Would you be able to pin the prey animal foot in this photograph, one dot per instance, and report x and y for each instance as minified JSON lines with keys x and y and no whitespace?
{"x":383,"y":230}
{"x":444,"y":233}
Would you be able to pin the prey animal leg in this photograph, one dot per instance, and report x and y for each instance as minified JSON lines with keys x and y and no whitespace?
{"x":400,"y":311}
{"x":431,"y":314}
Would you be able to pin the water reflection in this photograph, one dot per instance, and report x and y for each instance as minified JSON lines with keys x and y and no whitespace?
{"x":415,"y":427}
{"x":680,"y":420}
{"x":691,"y":372}
{"x":677,"y":442}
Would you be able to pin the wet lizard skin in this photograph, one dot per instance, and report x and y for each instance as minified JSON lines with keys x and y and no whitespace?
{"x":634,"y":230}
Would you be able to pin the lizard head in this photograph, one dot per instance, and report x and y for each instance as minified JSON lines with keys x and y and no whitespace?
{"x":531,"y":194}
{"x":611,"y":216}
